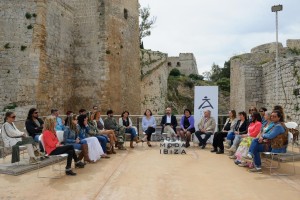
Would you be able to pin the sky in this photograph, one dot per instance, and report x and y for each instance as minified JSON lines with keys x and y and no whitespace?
{"x":216,"y":30}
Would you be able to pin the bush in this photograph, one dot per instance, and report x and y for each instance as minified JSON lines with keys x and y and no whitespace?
{"x":28,"y":15}
{"x":224,"y":84}
{"x":196,"y":77}
{"x":189,"y":84}
{"x":175,"y":72}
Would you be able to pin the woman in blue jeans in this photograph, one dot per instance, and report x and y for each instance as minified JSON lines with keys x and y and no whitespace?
{"x":84,"y":129}
{"x":275,"y":141}
{"x":126,"y":121}
{"x":71,"y":138}
{"x":240,"y":128}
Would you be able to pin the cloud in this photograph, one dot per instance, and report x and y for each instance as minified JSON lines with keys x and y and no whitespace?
{"x":216,"y":30}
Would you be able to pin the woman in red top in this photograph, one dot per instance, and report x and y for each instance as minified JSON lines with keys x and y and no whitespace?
{"x":53,"y":146}
{"x":253,"y":130}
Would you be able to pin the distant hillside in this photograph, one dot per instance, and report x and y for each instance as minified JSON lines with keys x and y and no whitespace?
{"x":180,"y":94}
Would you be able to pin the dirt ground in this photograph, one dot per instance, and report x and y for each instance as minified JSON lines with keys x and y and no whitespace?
{"x":144,"y":173}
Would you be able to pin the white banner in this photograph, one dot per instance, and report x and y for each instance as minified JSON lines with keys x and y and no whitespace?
{"x":206,"y":98}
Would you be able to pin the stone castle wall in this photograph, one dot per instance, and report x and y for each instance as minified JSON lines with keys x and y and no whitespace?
{"x":79,"y":53}
{"x":154,"y":81}
{"x":124,"y":57}
{"x":185,"y":62}
{"x":293,"y":44}
{"x":18,"y":69}
{"x":253,"y":81}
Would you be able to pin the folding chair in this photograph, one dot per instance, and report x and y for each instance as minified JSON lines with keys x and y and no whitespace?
{"x":60,"y":137}
{"x":56,"y":160}
{"x":280,"y":155}
{"x":3,"y":147}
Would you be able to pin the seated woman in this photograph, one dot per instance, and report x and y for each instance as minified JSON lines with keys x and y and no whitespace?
{"x":240,"y":128}
{"x":84,"y":130}
{"x":71,"y":138}
{"x":219,"y":136}
{"x":127,"y":123}
{"x":253,"y":130}
{"x":14,"y":138}
{"x":187,"y":126}
{"x":148,"y":125}
{"x":276,"y":141}
{"x":109,"y":133}
{"x":53,"y":146}
{"x":243,"y":149}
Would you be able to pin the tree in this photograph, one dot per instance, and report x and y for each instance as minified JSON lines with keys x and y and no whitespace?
{"x":175,"y":72}
{"x":215,"y":72}
{"x":224,"y":84}
{"x":146,"y":23}
{"x":196,"y":77}
{"x":207,"y":75}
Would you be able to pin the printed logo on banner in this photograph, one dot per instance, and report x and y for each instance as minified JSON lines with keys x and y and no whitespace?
{"x":206,"y":101}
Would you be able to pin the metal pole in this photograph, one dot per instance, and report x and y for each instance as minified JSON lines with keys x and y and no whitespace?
{"x":277,"y":67}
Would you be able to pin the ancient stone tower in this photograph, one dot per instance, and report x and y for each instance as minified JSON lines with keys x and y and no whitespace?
{"x":253,"y":79}
{"x":69,"y":55}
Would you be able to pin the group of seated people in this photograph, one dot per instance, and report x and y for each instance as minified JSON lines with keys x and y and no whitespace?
{"x":86,"y":131}
{"x":245,"y":137}
{"x":248,"y":136}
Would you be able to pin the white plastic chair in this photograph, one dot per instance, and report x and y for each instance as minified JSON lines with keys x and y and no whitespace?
{"x":60,"y":136}
{"x":57,"y":160}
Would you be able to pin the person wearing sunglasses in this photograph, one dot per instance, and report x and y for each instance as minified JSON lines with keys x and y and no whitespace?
{"x":252,"y":109}
{"x":14,"y":138}
{"x":262,"y":111}
{"x":34,"y":126}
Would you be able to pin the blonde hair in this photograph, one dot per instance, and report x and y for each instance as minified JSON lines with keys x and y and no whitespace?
{"x":49,"y":124}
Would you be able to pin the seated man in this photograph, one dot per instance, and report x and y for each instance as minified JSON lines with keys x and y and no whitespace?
{"x":206,"y":127}
{"x":275,"y":141}
{"x":110,"y":123}
{"x":169,"y":123}
{"x":34,"y":126}
{"x":60,"y":126}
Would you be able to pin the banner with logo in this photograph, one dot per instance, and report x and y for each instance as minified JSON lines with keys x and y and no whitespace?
{"x":206,"y":98}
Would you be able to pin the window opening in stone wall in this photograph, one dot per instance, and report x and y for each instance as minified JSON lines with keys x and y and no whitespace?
{"x":178,"y":64}
{"x":125,"y":13}
{"x":169,"y":64}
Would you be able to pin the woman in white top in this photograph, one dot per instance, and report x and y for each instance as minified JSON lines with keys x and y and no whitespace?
{"x":219,"y":136}
{"x":148,"y":125}
{"x":14,"y":138}
{"x":127,"y":123}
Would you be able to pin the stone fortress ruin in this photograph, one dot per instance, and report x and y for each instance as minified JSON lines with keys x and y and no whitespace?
{"x":185,"y":62}
{"x":253,"y":79}
{"x":71,"y":54}
{"x":68,"y":54}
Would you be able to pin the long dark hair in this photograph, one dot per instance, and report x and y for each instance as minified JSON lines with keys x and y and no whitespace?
{"x":122,"y":115}
{"x":279,"y":114}
{"x":80,"y":119}
{"x":233,"y":114}
{"x":30,"y":113}
{"x":280,"y":109}
{"x":256,"y":117}
{"x":71,"y":125}
{"x":244,"y":114}
{"x":7,"y":114}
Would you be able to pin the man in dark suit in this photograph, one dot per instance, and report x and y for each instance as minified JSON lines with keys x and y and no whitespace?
{"x":169,"y":123}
